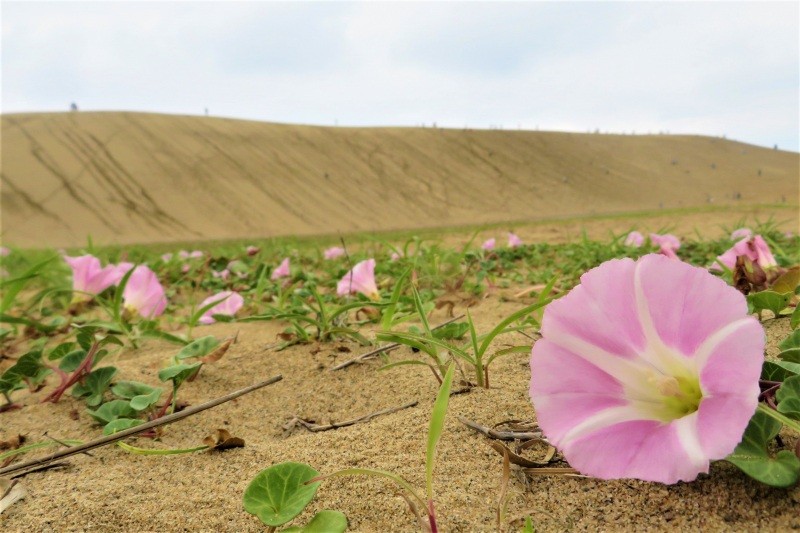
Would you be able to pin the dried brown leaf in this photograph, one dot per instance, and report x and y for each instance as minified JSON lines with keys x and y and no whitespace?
{"x":221,"y":439}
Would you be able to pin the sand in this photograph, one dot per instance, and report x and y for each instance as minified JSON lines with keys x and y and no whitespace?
{"x":117,"y":491}
{"x":143,"y":178}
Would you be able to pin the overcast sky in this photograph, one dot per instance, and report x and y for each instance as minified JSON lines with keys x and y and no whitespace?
{"x":709,"y":68}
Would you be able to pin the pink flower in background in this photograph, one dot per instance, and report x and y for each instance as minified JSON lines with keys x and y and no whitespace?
{"x":741,"y":233}
{"x":360,"y":279}
{"x":514,"y":240}
{"x":634,"y":239}
{"x":647,"y":369}
{"x":282,"y":271}
{"x":4,"y":251}
{"x":222,"y":274}
{"x":119,"y":271}
{"x":196,"y":254}
{"x":185,"y":268}
{"x":144,"y":294}
{"x":754,"y":248}
{"x":229,"y":303}
{"x":668,"y":244}
{"x":252,"y":250}
{"x":88,"y":276}
{"x":333,"y":252}
{"x":395,"y":256}
{"x":166,"y":258}
{"x":488,"y":244}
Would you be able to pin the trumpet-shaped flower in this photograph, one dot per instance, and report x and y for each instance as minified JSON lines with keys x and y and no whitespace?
{"x":668,"y":244}
{"x":89,"y":277}
{"x":119,"y":271}
{"x":282,"y":271}
{"x":754,"y":248}
{"x":333,"y":252}
{"x":634,"y":239}
{"x":741,"y":233}
{"x":229,"y":303}
{"x":143,"y":293}
{"x":647,"y":369}
{"x":514,"y":240}
{"x":360,"y":279}
{"x":488,"y":244}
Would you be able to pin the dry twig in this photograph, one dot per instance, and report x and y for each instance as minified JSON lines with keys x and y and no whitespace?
{"x":311,"y":426}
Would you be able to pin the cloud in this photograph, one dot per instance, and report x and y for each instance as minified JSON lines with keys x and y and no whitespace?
{"x":711,"y":67}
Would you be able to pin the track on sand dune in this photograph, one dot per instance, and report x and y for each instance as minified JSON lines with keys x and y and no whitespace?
{"x":134,"y":177}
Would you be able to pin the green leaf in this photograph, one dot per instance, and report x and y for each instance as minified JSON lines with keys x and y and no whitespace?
{"x":787,"y":282}
{"x":792,"y":341}
{"x":279,"y":493}
{"x":436,"y":427}
{"x":794,"y":368}
{"x":120,"y":424}
{"x":788,"y":397}
{"x":85,"y":337}
{"x":769,"y":300}
{"x":71,"y":361}
{"x":323,"y":522}
{"x":454,"y":330}
{"x":528,"y":526}
{"x":199,"y":348}
{"x":163,"y":335}
{"x":111,"y":411}
{"x":751,"y":455}
{"x":792,"y":355}
{"x":61,"y":350}
{"x":795,"y":320}
{"x":179,"y":373}
{"x":141,"y":396}
{"x":94,"y":385}
{"x":772,"y":372}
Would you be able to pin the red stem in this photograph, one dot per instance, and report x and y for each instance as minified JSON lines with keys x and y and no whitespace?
{"x":68,"y":381}
{"x":432,"y":517}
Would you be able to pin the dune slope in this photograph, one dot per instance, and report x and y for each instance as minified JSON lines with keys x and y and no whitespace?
{"x":133,"y":177}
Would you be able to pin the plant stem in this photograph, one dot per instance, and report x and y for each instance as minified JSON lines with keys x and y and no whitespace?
{"x":432,"y":517}
{"x":780,"y":417}
{"x":84,"y":368}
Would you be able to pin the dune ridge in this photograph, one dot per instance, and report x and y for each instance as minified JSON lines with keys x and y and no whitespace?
{"x":134,"y":177}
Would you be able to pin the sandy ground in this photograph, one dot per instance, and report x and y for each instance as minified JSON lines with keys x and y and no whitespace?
{"x":117,"y":491}
{"x":142,"y":178}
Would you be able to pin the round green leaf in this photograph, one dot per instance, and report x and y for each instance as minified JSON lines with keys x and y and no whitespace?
{"x":326,"y":521}
{"x":278,"y":494}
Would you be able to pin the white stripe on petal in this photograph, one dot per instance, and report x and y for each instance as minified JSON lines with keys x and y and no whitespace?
{"x":605,"y":418}
{"x":686,"y":430}
{"x":708,"y":346}
{"x":656,"y":350}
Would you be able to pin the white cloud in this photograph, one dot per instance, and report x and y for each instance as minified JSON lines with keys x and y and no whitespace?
{"x":713,"y":68}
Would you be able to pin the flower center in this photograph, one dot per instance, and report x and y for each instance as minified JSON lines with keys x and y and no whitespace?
{"x":674,"y":396}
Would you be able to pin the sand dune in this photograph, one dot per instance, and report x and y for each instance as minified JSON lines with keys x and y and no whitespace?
{"x":132,"y":177}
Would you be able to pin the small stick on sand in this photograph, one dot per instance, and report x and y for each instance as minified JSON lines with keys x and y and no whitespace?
{"x":387,"y":348}
{"x":297,"y":421}
{"x":16,"y":469}
{"x":500,"y":435}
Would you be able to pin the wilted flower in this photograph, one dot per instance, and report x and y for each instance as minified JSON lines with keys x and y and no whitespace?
{"x":333,"y":252}
{"x":514,"y":240}
{"x":488,"y":244}
{"x":668,"y":244}
{"x":360,"y":279}
{"x":647,"y":369}
{"x":282,"y":271}
{"x":88,"y":276}
{"x":229,"y":303}
{"x":144,"y":294}
{"x":741,"y":233}
{"x":634,"y":239}
{"x":754,"y":248}
{"x":252,"y":250}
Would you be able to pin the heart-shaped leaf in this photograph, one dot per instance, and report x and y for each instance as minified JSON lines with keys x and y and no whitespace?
{"x":788,"y":397}
{"x":198,"y":348}
{"x":111,"y":411}
{"x":119,"y":424}
{"x":326,"y":521}
{"x":769,"y":300}
{"x":94,"y":385}
{"x":279,"y":493}
{"x":179,"y":373}
{"x":752,"y":457}
{"x":141,"y":395}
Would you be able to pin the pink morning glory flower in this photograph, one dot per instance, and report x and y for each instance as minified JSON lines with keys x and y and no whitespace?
{"x":741,"y":233}
{"x":395,"y":256}
{"x":229,"y":303}
{"x":754,"y":248}
{"x":488,"y":244}
{"x":4,"y":251}
{"x":88,"y":276}
{"x":634,"y":239}
{"x":360,"y":279}
{"x":119,"y":271}
{"x":222,"y":274}
{"x":668,"y":244}
{"x":144,"y":294}
{"x":252,"y":250}
{"x":647,"y":369}
{"x":282,"y":271}
{"x":514,"y":240}
{"x":333,"y":252}
{"x":166,"y":258}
